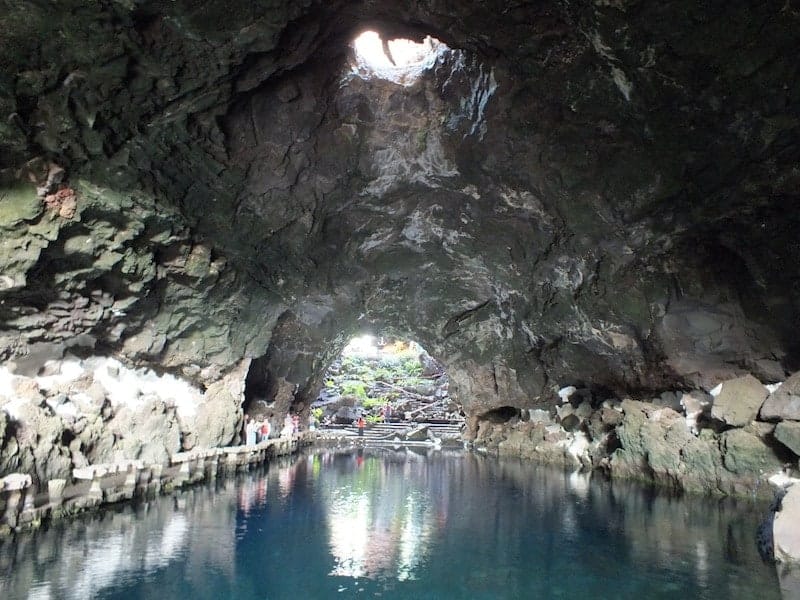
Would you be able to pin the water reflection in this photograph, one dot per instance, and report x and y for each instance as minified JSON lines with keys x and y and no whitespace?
{"x":381,"y":519}
{"x":83,"y":558}
{"x":400,"y":525}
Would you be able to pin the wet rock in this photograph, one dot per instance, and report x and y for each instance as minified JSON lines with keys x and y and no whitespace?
{"x":788,"y":434}
{"x":783,"y":403}
{"x":739,"y":401}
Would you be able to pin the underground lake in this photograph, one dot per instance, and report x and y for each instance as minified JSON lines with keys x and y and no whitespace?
{"x":400,"y":523}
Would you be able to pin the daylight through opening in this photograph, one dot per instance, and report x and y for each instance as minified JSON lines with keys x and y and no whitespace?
{"x":395,"y":386}
{"x":399,"y":60}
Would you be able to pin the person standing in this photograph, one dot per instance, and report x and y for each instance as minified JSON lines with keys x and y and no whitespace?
{"x":361,"y":423}
{"x":250,"y":431}
{"x":265,"y":430}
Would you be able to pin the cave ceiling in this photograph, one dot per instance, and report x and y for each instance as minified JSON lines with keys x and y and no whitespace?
{"x":599,"y":193}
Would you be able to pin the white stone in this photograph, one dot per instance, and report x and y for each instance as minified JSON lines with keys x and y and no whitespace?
{"x":565,"y":392}
{"x":15,"y":481}
{"x":786,"y":527}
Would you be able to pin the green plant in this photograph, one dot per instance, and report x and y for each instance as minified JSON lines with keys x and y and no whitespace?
{"x":412,"y":366}
{"x":317,"y":413}
{"x":355,"y":388}
{"x":374,"y":402}
{"x":374,"y":418}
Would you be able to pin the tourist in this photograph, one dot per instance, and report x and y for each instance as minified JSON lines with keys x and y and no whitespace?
{"x":288,"y":426}
{"x":250,"y":428}
{"x":265,"y":430}
{"x":312,"y":422}
{"x":361,"y":423}
{"x":295,"y":423}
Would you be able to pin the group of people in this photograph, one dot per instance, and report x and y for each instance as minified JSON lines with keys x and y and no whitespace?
{"x":256,"y":432}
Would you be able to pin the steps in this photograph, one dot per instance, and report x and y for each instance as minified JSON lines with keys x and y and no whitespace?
{"x":386,"y":432}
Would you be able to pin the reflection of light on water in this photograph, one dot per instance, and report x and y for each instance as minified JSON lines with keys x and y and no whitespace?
{"x":285,"y":481}
{"x":701,"y":551}
{"x":104,"y":563}
{"x":410,"y":542}
{"x":383,"y":534}
{"x":173,"y":539}
{"x":348,"y":520}
{"x":100,"y":567}
{"x":40,"y":592}
{"x":578,"y":482}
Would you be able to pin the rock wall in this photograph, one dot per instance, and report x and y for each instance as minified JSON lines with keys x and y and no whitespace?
{"x":85,"y":412}
{"x":575,"y":193}
{"x":726,"y":443}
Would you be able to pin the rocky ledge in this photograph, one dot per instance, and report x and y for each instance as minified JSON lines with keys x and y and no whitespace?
{"x":742,"y":439}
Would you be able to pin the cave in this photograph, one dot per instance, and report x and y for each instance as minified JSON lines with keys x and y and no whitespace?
{"x":205,"y":201}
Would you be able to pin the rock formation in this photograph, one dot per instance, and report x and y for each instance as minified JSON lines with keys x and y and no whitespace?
{"x":571,"y":193}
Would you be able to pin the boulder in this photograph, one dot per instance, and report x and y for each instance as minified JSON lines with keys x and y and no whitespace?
{"x":746,"y":455}
{"x":610,"y":416}
{"x":783,"y":403}
{"x":669,"y":400}
{"x":346,"y":415}
{"x":789,"y":579}
{"x":703,"y":461}
{"x":739,"y":401}
{"x":651,"y":440}
{"x":786,"y":527}
{"x":571,"y":422}
{"x":36,"y":446}
{"x":218,"y":418}
{"x":150,"y":433}
{"x":584,"y":410}
{"x":788,"y":434}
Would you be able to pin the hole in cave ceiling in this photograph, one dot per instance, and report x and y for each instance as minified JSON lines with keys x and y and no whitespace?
{"x":399,"y":60}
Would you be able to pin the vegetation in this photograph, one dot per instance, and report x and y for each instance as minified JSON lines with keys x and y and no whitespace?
{"x":375,"y":380}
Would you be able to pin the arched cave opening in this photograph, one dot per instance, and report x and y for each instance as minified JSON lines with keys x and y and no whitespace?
{"x":385,"y":380}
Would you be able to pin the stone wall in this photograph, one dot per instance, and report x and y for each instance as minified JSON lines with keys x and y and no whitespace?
{"x":25,"y":504}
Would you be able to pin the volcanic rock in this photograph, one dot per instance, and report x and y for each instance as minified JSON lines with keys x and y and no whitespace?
{"x":739,"y":401}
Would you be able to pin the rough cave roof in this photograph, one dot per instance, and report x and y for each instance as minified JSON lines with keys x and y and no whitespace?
{"x":592,"y":192}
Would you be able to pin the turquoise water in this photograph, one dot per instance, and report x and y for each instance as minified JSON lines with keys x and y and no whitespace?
{"x":386,"y":524}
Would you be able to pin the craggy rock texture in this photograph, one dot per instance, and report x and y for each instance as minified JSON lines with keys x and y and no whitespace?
{"x":590,"y":193}
{"x":78,"y":413}
{"x":681,"y":449}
